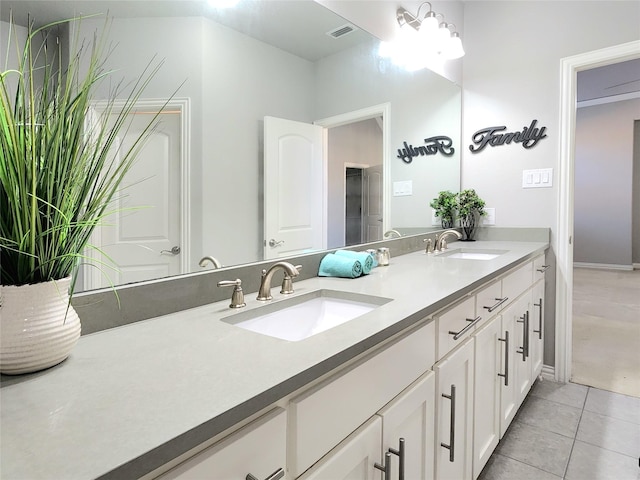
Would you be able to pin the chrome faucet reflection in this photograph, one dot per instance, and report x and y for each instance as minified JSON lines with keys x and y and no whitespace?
{"x":441,"y":242}
{"x":204,"y":261}
{"x":265,"y":282}
{"x":391,"y":233}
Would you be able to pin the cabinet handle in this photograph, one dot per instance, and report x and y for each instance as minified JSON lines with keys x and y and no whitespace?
{"x":500,"y":302}
{"x":539,"y":331}
{"x":457,"y":335}
{"x":452,"y":428}
{"x":277,"y":475}
{"x":386,"y":468}
{"x":400,"y":454}
{"x":505,"y":375}
{"x":543,"y":268}
{"x":524,"y":320}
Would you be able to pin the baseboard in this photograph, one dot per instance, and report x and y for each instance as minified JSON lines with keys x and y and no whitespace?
{"x":605,"y":266}
{"x":636,"y":266}
{"x":548,"y":373}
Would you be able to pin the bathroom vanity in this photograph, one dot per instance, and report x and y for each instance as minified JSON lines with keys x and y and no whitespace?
{"x":429,"y":378}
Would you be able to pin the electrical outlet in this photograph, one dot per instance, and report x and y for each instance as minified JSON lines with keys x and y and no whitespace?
{"x":490,"y":217}
{"x":435,"y":220}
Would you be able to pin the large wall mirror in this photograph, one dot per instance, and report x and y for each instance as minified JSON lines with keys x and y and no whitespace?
{"x":240,"y":71}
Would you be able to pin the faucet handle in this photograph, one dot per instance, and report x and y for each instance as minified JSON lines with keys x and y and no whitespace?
{"x":237,"y":297}
{"x":287,"y":282}
{"x":429,"y":248}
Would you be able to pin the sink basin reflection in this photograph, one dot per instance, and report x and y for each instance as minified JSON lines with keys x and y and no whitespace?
{"x":306,"y":315}
{"x":472,"y":254}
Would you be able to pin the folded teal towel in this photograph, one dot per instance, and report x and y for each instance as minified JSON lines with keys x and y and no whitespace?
{"x":365,"y":259}
{"x":339,"y":266}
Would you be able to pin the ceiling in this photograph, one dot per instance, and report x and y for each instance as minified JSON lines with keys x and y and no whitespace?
{"x":610,"y":80}
{"x":288,"y":23}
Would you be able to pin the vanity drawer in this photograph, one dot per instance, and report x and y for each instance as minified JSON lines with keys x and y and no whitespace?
{"x":489,"y":301}
{"x":323,"y":416}
{"x":539,"y":268}
{"x":451,"y":324}
{"x":515,"y":284}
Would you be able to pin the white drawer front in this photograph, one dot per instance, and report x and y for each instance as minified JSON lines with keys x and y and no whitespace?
{"x":514,"y":284}
{"x":258,"y":448}
{"x":454,"y":321}
{"x":539,"y":268}
{"x":489,"y":301}
{"x":323,"y":416}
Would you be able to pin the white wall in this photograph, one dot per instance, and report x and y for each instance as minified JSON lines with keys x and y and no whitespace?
{"x":603,"y":183}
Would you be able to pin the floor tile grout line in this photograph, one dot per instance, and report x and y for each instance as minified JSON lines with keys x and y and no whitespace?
{"x":566,"y":468}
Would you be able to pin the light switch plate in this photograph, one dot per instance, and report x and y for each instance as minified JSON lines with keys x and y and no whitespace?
{"x":540,"y":178}
{"x":490,"y":217}
{"x":435,"y":220}
{"x":403,"y":188}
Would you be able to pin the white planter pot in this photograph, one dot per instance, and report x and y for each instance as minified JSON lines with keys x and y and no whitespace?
{"x":38,"y":326}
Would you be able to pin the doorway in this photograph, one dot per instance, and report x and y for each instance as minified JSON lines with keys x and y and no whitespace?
{"x":353,"y":231}
{"x":570,"y":66}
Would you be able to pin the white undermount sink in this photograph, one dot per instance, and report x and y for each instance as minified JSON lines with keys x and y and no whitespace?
{"x":472,"y":254}
{"x":306,"y":315}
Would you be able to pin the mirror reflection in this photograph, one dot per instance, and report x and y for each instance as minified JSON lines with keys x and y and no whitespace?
{"x":282,"y":138}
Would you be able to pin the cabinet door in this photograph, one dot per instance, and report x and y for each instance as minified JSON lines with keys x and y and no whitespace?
{"x":522,"y":363}
{"x":353,"y":458}
{"x":258,"y":449}
{"x":411,"y":416}
{"x":536,"y":327}
{"x":454,"y":413}
{"x":487,"y":386}
{"x":509,"y":393}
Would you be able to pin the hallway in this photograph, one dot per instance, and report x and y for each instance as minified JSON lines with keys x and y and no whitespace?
{"x":606,"y":329}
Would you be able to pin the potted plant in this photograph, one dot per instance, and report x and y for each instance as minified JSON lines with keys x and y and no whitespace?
{"x":470,"y":209}
{"x":445,"y":207}
{"x":58,"y":178}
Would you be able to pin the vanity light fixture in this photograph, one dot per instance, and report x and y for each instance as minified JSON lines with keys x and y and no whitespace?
{"x":435,"y":39}
{"x":223,"y":3}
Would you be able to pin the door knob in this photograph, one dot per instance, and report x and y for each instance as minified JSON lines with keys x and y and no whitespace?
{"x":273,"y":243}
{"x":175,"y":250}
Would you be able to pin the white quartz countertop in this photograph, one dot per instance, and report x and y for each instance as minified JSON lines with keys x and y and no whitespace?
{"x":130,"y":399}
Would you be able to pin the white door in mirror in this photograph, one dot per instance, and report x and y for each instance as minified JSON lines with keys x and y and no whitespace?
{"x":293,"y":188}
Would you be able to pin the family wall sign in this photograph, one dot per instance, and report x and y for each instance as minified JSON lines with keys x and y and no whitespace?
{"x":496,"y":136}
{"x":432,"y":145}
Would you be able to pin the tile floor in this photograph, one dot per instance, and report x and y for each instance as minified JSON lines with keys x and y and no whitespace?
{"x":570,"y":431}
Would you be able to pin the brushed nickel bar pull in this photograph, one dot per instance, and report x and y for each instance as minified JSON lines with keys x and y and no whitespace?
{"x":526,"y":334}
{"x":277,"y":475}
{"x":539,"y":331}
{"x":452,"y":427}
{"x":500,"y":302}
{"x":386,"y":468}
{"x":505,"y":375}
{"x":522,"y":350}
{"x":400,"y":453}
{"x":543,"y":268}
{"x":457,"y":335}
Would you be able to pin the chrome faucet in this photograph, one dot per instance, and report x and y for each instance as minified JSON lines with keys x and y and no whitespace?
{"x":205,"y":260}
{"x":441,"y":242}
{"x":265,"y":282}
{"x":391,"y":233}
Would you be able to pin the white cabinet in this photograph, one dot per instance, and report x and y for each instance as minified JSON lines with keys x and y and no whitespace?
{"x":410,"y":417}
{"x":258,"y":449}
{"x":522,"y":363}
{"x":455,"y":324}
{"x":454,"y":413}
{"x":536,"y":326}
{"x":354,"y":458}
{"x":487,"y":391}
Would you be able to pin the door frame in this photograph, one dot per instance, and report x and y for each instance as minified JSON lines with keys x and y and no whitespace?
{"x":569,"y":68}
{"x":93,"y":276}
{"x":384,"y":110}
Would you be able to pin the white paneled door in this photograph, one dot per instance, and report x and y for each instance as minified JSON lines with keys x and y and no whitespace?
{"x":293,"y":188}
{"x":143,"y":236}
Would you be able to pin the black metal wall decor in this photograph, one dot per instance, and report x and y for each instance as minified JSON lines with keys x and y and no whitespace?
{"x":432,"y":145}
{"x":528,"y":137}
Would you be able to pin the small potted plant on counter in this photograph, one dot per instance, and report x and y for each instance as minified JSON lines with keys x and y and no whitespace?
{"x":445,"y":208}
{"x":470,"y":209}
{"x":59,"y":176}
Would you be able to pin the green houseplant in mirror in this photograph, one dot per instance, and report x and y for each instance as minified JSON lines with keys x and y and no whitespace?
{"x":444,"y":207}
{"x":59,"y":177}
{"x":470,"y":209}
